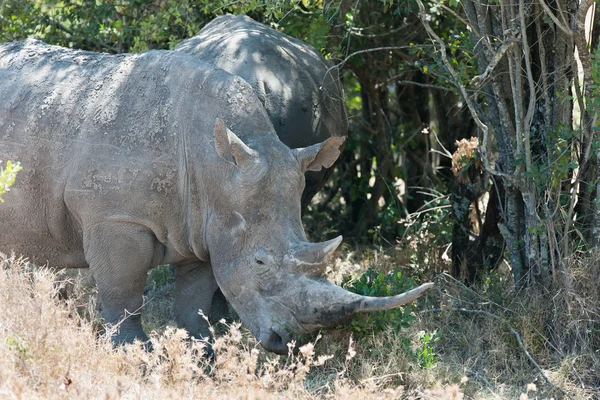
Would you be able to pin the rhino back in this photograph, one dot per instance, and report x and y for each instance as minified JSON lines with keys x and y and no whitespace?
{"x":108,"y":137}
{"x":303,"y":98}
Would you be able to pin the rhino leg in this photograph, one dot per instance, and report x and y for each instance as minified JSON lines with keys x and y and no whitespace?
{"x":195,"y":285}
{"x":120,"y":255}
{"x":219,"y":308}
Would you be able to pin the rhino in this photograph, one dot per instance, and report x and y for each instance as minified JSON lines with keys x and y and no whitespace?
{"x":302,"y":95}
{"x":136,"y":160}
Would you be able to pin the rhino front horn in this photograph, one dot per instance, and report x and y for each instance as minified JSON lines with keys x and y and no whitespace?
{"x":333,"y":304}
{"x":368,"y":304}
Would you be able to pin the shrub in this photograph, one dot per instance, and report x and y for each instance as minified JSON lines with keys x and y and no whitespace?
{"x":377,"y":284}
{"x":8,"y":176}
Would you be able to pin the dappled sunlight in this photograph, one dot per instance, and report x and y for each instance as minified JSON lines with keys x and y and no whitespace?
{"x":301,"y":94}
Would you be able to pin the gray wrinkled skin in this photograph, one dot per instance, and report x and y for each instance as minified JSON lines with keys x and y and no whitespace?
{"x":303,"y":98}
{"x":128,"y":163}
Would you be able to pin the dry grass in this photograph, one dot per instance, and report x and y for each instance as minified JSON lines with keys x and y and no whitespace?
{"x":52,"y":348}
{"x":493,"y":332}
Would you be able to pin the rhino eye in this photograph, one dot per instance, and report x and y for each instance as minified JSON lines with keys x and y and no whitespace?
{"x":261,"y":257}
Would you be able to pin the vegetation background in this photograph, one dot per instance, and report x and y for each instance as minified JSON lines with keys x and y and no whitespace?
{"x":472,"y":160}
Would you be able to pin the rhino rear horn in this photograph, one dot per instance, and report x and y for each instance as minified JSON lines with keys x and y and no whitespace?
{"x":320,"y":155}
{"x":311,"y":258}
{"x":231,"y":148}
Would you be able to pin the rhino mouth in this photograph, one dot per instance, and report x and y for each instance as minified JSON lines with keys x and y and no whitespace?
{"x":275,"y":340}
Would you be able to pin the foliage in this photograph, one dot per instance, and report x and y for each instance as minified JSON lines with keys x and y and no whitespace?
{"x":305,"y":20}
{"x":113,"y":26}
{"x":424,"y":354}
{"x":118,"y":26}
{"x":8,"y":176}
{"x":377,"y":284}
{"x":160,"y":276}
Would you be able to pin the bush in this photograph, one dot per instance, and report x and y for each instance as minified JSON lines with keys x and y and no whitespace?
{"x":377,"y":284}
{"x":8,"y":176}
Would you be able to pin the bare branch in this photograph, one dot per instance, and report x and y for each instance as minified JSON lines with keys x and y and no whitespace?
{"x":461,"y":19}
{"x":581,"y":44}
{"x":530,"y":107}
{"x":479,"y":80}
{"x":405,"y":82}
{"x":371,"y":50}
{"x":567,"y":31}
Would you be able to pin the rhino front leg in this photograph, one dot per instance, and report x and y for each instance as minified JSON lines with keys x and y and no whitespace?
{"x":219,"y":308}
{"x":119,"y":256}
{"x":195,"y":285}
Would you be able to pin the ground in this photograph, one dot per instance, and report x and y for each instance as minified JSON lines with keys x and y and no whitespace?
{"x":57,"y":348}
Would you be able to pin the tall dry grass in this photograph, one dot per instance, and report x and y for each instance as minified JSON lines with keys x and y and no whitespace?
{"x":55,"y":349}
{"x":507,"y":339}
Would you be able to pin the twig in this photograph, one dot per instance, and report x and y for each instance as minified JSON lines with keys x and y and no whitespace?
{"x":461,"y":19}
{"x":479,"y":80}
{"x":446,"y":152}
{"x":356,"y":53}
{"x":489,"y":386}
{"x":358,"y":32}
{"x":378,"y":378}
{"x":471,"y":291}
{"x":417,"y":213}
{"x":567,"y":31}
{"x":405,"y":82}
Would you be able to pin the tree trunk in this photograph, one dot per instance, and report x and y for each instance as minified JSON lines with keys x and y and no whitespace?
{"x":526,"y":115}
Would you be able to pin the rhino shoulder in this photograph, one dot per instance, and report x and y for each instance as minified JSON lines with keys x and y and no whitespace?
{"x":225,"y":88}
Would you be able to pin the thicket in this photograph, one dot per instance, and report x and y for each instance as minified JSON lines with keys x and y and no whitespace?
{"x":473,"y":149}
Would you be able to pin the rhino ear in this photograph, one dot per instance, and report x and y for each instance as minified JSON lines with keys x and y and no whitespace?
{"x":320,"y":155}
{"x":231,"y":148}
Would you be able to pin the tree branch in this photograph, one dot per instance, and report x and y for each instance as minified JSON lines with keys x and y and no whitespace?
{"x":567,"y":31}
{"x":479,"y":80}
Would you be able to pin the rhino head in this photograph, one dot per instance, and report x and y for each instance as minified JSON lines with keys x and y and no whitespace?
{"x":261,"y":258}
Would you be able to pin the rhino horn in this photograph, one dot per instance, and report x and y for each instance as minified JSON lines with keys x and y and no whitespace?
{"x":336,"y":304}
{"x":311,"y":258}
{"x":368,"y":304}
